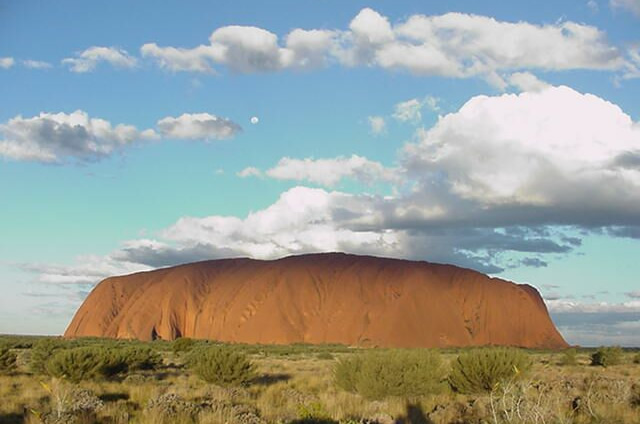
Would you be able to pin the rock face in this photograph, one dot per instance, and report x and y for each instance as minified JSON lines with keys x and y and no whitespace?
{"x":319,"y":298}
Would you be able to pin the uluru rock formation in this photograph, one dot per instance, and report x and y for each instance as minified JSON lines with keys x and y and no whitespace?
{"x":319,"y":298}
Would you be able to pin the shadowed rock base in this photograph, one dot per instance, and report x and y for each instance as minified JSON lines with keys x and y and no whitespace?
{"x":319,"y":298}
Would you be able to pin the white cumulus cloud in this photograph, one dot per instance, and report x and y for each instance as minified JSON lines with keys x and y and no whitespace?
{"x":247,"y":49}
{"x":466,"y":44}
{"x":452,"y":45}
{"x":556,"y":148}
{"x":203,"y":126}
{"x":526,"y":81}
{"x":57,"y":137}
{"x":60,"y":137}
{"x":309,"y":226}
{"x":175,"y":59}
{"x":308,"y":48}
{"x":518,"y":173}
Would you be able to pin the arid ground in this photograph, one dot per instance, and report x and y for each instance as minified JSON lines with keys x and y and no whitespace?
{"x":299,"y":383}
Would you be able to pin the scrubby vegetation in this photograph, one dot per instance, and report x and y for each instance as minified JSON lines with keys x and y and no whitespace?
{"x":404,"y":373}
{"x":183,"y":344}
{"x":7,"y":360}
{"x":569,"y":357}
{"x":153,"y":383}
{"x":481,"y":370}
{"x":222,"y":365}
{"x":137,"y":358}
{"x":85,"y":363}
{"x":42,"y":351}
{"x":607,"y":356}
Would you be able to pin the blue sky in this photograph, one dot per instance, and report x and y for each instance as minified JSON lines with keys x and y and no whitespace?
{"x":500,"y":136}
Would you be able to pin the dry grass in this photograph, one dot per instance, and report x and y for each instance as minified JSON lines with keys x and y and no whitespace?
{"x":301,"y":386}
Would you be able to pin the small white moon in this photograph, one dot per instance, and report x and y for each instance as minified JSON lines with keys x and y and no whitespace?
{"x":254,"y":120}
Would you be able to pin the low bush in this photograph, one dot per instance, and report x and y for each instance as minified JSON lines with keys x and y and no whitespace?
{"x":313,"y":412}
{"x":347,"y":372}
{"x":183,"y":344}
{"x":404,"y":373}
{"x":42,"y":351}
{"x":325,"y":355}
{"x":138,"y":357}
{"x":18,"y":342}
{"x":569,"y":357}
{"x":221,"y":365}
{"x":172,"y":408}
{"x":606,"y":356}
{"x":85,"y":363}
{"x":481,"y":370}
{"x":7,"y":360}
{"x":636,"y":359}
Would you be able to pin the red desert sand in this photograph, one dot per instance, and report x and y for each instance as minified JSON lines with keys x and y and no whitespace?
{"x":319,"y":298}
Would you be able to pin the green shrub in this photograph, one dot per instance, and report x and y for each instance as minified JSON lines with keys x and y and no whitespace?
{"x":138,"y":357}
{"x":18,"y":342}
{"x":7,"y":360}
{"x":85,"y":363}
{"x":378,"y":374}
{"x":606,"y":356}
{"x":325,"y":356}
{"x":481,"y":370}
{"x":183,"y":344}
{"x":312,"y":412}
{"x":42,"y":351}
{"x":569,"y":357}
{"x":347,"y":371}
{"x":221,"y":365}
{"x":636,"y":359}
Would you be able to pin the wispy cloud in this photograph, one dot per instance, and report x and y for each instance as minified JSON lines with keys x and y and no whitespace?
{"x":632,"y":6}
{"x":7,"y":62}
{"x":89,"y":59}
{"x":36,"y":64}
{"x":377,"y":124}
{"x":599,"y":328}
